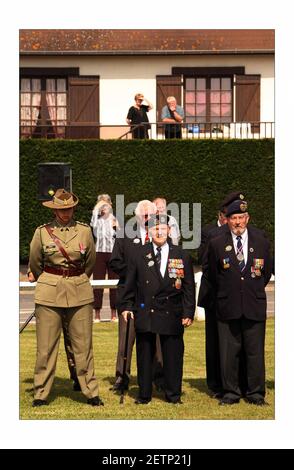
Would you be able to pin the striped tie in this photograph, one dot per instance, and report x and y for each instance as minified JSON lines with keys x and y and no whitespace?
{"x":240,"y":254}
{"x":158,"y":256}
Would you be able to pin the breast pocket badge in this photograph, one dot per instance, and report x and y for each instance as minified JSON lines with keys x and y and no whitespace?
{"x":226,"y":263}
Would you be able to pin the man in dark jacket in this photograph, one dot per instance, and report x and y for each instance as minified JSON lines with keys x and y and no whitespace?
{"x":125,"y":246}
{"x":160,"y":294}
{"x":206,"y":298}
{"x":239,"y":268}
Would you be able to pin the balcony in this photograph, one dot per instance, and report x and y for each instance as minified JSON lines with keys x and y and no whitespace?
{"x":194,"y":131}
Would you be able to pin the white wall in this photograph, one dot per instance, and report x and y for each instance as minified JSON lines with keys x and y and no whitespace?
{"x":122,"y":77}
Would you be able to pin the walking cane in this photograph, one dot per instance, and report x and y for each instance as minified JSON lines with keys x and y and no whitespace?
{"x":27,"y":322}
{"x":125,"y":360}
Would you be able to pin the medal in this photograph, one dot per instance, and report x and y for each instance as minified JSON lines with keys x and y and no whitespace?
{"x":226,"y":263}
{"x":252,"y":274}
{"x":240,"y":257}
{"x":178,"y":283}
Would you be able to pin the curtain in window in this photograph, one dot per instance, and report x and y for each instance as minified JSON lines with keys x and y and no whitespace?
{"x":30,"y":102}
{"x":56,"y":103}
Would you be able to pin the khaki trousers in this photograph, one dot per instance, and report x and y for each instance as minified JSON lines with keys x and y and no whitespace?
{"x":49,"y":325}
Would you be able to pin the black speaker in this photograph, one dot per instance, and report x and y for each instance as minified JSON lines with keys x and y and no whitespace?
{"x":51,"y":176}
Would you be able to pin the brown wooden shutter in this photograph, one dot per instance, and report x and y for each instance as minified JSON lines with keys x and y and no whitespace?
{"x":167,"y":85}
{"x":248,"y":99}
{"x":83,"y":93}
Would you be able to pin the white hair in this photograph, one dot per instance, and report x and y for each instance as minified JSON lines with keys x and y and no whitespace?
{"x":145,"y":206}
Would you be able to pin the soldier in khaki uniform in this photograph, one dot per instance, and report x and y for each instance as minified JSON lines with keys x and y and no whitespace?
{"x":62,"y":257}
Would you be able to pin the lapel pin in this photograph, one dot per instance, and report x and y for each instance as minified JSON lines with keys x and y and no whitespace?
{"x":228,"y":248}
{"x":251,"y":250}
{"x":136,"y":240}
{"x":151,"y":263}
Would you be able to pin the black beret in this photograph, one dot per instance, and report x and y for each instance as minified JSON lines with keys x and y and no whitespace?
{"x":156,"y":219}
{"x":237,"y":207}
{"x":231,"y":197}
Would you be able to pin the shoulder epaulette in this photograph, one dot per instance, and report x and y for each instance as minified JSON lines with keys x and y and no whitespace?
{"x":44,"y":225}
{"x":83,"y":223}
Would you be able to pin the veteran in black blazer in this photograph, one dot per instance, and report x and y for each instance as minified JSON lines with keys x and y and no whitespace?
{"x":206,"y":298}
{"x":127,"y":244}
{"x":160,"y":293}
{"x":238,"y":271}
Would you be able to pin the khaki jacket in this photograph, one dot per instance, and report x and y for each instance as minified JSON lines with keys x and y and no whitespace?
{"x":56,"y":290}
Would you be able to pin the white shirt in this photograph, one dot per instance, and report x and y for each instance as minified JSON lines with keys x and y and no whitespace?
{"x":164,"y":256}
{"x":244,"y":241}
{"x":143,"y":234}
{"x":103,"y":232}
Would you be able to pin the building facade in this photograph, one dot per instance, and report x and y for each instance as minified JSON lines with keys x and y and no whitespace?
{"x":81,"y":83}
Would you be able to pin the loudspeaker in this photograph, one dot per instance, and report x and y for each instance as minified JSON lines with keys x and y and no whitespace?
{"x":51,"y":176}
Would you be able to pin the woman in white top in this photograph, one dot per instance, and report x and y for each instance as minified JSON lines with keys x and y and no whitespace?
{"x":104,"y":225}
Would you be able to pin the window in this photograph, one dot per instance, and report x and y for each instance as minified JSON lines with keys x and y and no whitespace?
{"x":43,"y":107}
{"x":208,"y":99}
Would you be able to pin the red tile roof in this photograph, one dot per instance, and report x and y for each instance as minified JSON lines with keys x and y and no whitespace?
{"x":146,"y":41}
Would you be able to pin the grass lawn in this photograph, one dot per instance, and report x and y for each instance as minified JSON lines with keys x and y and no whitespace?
{"x":64,"y":403}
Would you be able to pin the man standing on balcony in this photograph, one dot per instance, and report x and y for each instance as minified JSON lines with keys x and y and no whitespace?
{"x":173,"y":115}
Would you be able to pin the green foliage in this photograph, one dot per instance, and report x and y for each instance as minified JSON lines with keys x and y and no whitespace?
{"x":180,"y":170}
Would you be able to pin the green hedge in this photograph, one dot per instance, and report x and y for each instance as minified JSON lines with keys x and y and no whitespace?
{"x":181,"y":170}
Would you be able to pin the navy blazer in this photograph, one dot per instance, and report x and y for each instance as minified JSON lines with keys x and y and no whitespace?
{"x":239,"y":293}
{"x":157,"y":304}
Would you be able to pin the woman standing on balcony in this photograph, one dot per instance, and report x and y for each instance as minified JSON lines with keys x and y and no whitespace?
{"x":137,"y":114}
{"x":104,"y":225}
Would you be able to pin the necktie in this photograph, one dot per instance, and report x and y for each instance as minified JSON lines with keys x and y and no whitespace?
{"x":147,"y":239}
{"x":158,"y":256}
{"x":240,"y":254}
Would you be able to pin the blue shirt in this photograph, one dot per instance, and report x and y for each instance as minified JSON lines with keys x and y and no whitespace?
{"x":166,"y":114}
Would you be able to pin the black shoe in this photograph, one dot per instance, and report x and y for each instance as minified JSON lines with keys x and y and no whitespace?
{"x":142,"y":401}
{"x":228,"y":401}
{"x":76,"y":386}
{"x":257,"y":401}
{"x":39,"y":402}
{"x":120,"y":385}
{"x":95,"y":401}
{"x":216,"y":395}
{"x":175,"y":402}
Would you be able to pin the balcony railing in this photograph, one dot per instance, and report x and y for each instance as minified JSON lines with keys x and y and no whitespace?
{"x":156,"y":130}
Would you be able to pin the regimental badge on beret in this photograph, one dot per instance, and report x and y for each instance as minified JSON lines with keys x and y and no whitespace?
{"x":243,"y":207}
{"x":241,"y":196}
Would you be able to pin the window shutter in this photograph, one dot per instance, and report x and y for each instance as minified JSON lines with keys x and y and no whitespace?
{"x":83,"y":93}
{"x":167,"y":85}
{"x":248,"y":99}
